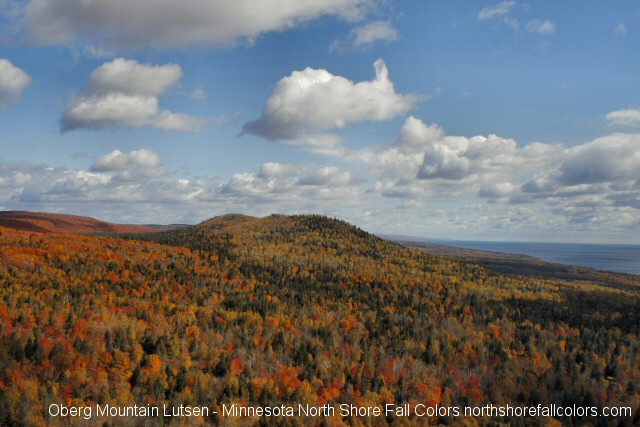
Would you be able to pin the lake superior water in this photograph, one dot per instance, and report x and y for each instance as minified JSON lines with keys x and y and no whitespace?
{"x":618,"y":258}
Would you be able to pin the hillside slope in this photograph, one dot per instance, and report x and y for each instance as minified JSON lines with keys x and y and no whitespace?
{"x":526,"y":265}
{"x":302,"y":309}
{"x":43,"y":222}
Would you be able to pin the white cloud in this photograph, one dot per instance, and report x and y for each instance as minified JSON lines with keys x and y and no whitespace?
{"x":133,"y":165}
{"x":538,"y":187}
{"x":414,"y":135}
{"x":620,"y":31}
{"x":546,"y":28}
{"x":364,"y":37}
{"x":374,"y":31}
{"x":168,"y":121}
{"x":125,"y":93}
{"x":135,"y":187}
{"x":113,"y":109}
{"x":448,"y":159}
{"x":536,"y":191}
{"x":500,"y":12}
{"x":402,"y":158}
{"x":129,"y":77}
{"x":330,"y":176}
{"x":504,"y":12}
{"x":320,"y":143}
{"x":493,"y":11}
{"x":425,"y":153}
{"x":288,"y":183}
{"x":611,"y":159}
{"x":497,"y":190}
{"x":595,"y":184}
{"x":457,"y":158}
{"x":628,"y":117}
{"x":116,"y":178}
{"x":424,"y":162}
{"x":311,"y":101}
{"x":169,"y":24}
{"x":12,"y":82}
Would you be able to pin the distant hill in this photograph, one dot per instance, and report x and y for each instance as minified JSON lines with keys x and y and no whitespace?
{"x":43,"y":222}
{"x":299,"y":237}
{"x":523,"y":265}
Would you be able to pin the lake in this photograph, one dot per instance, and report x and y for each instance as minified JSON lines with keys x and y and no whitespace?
{"x":609,"y":257}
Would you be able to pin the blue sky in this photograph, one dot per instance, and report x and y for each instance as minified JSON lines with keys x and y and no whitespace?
{"x":449,"y":119}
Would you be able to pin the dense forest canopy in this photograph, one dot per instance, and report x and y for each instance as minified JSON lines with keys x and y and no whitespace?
{"x":299,"y":309}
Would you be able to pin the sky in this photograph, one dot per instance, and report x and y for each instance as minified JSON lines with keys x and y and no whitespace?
{"x":508,"y":121}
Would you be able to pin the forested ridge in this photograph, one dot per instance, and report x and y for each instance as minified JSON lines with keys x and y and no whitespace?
{"x":299,"y":309}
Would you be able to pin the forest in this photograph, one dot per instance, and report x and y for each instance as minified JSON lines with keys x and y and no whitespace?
{"x":288,"y":310}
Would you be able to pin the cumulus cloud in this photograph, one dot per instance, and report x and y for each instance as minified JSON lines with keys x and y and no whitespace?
{"x":298,"y":181}
{"x":115,"y":178}
{"x":614,"y":159}
{"x":497,"y":190}
{"x":628,"y":117}
{"x":134,"y":165}
{"x":365,"y":36}
{"x":308,"y":102}
{"x":546,"y":28}
{"x":169,"y":24}
{"x":12,"y":82}
{"x":135,"y":187}
{"x":415,"y":135}
{"x":595,"y":184}
{"x":457,"y":158}
{"x":114,"y":109}
{"x":424,"y":162}
{"x":535,"y":190}
{"x":124,"y":92}
{"x":402,"y":158}
{"x":129,"y":77}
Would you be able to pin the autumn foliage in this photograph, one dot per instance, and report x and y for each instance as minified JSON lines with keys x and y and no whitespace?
{"x":300,"y":309}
